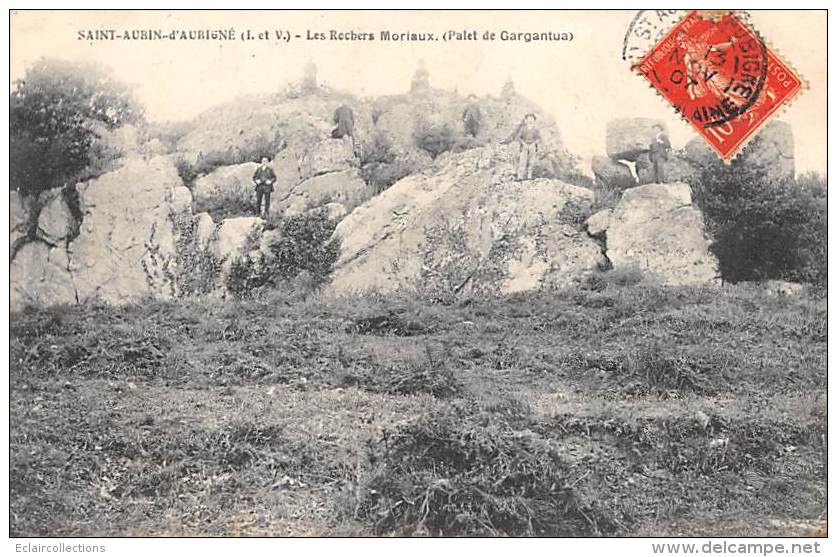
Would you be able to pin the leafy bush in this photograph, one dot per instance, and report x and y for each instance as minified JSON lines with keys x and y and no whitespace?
{"x":52,"y":112}
{"x":381,"y":175}
{"x":765,"y":229}
{"x":224,"y":204}
{"x":306,"y":244}
{"x":378,"y":149}
{"x":435,"y":139}
{"x":304,"y":251}
{"x":455,"y":473}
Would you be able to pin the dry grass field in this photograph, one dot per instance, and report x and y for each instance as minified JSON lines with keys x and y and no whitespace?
{"x":602,"y":411}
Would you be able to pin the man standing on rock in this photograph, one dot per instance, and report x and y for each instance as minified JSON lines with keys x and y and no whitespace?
{"x":528,"y":136}
{"x":658,"y":153}
{"x":344,"y":119}
{"x":263,"y":179}
{"x":472,"y":117}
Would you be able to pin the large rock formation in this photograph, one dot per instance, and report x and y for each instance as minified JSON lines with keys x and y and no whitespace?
{"x":627,"y":138}
{"x":655,"y":228}
{"x":248,"y":128}
{"x":297,"y":124}
{"x":123,"y":250}
{"x":467,"y":227}
{"x":125,"y":247}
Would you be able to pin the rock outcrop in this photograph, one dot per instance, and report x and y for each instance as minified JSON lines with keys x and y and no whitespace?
{"x":125,"y":246}
{"x":244,"y":130}
{"x":656,"y":229}
{"x":467,"y":228}
{"x":122,"y":250}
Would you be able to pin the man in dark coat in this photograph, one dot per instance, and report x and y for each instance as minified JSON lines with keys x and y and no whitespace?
{"x":344,"y":119}
{"x":472,"y":116}
{"x":263,"y":179}
{"x":658,"y":153}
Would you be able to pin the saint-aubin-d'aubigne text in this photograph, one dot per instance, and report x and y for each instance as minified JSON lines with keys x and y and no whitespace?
{"x":330,"y":35}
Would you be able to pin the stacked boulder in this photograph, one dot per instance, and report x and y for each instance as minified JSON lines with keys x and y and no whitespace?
{"x":655,"y":229}
{"x":627,"y":141}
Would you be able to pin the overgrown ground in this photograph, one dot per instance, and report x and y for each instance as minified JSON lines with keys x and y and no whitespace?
{"x":630,"y":410}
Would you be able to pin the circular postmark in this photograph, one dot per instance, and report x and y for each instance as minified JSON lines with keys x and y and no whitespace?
{"x":711,"y":67}
{"x":646,"y":29}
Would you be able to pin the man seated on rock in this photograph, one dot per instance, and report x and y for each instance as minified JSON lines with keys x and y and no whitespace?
{"x":528,"y":136}
{"x":263,"y":179}
{"x":472,"y":117}
{"x":658,"y":153}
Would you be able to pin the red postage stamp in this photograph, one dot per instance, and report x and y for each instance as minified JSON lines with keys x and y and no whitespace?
{"x":721,"y":77}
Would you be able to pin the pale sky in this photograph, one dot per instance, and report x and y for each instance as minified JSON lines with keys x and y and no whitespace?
{"x":583,"y":83}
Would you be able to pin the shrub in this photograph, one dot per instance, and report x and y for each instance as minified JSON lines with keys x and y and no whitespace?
{"x":381,"y":175}
{"x":247,"y":276}
{"x":378,"y":149}
{"x":454,"y":473}
{"x":52,"y":112}
{"x":435,"y":139}
{"x":764,"y":229}
{"x":305,"y":252}
{"x":186,"y":171}
{"x":306,"y":244}
{"x":223,"y":204}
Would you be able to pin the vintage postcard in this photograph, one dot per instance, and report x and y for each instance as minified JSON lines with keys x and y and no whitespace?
{"x":418,"y":273}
